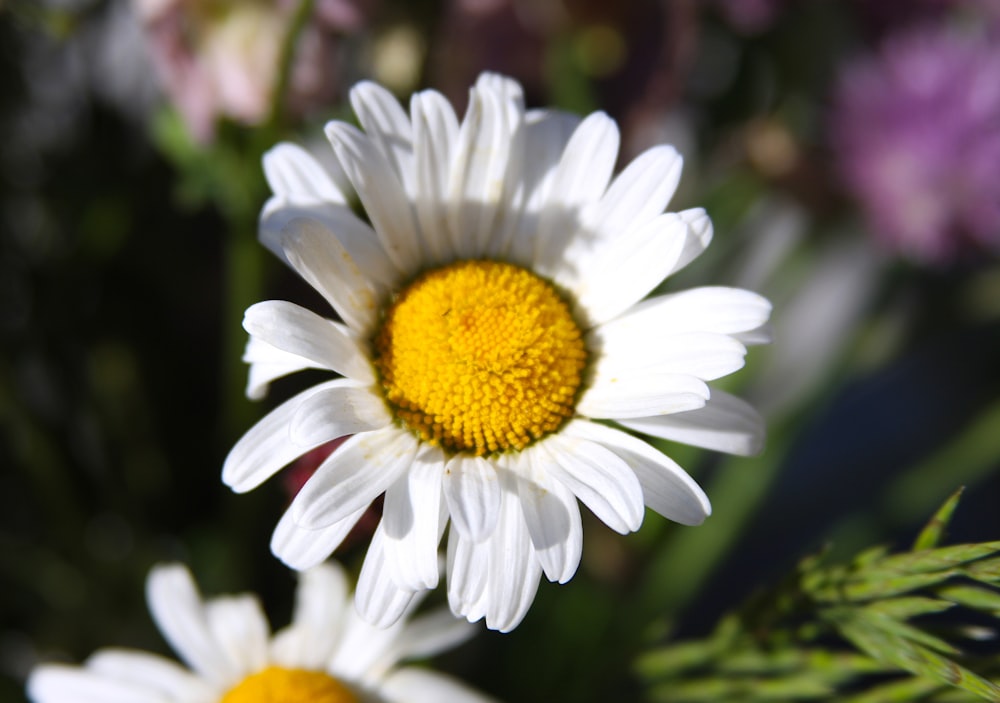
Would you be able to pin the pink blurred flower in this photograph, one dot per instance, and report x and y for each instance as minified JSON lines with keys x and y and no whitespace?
{"x":220,"y":58}
{"x":917,"y":135}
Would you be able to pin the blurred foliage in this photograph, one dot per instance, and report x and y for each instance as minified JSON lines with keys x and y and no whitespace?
{"x":787,"y":643}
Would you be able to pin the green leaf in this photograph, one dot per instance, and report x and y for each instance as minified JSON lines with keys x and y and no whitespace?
{"x":930,"y":536}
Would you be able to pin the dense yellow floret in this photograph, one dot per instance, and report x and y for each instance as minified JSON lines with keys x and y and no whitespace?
{"x":480,"y":357}
{"x":278,"y":685}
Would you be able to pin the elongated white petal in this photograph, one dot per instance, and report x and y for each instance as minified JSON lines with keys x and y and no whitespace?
{"x":709,"y":309}
{"x":468,"y":572}
{"x":610,"y":275}
{"x":726,"y":424}
{"x":638,"y":194}
{"x":353,"y":476}
{"x":413,"y":520}
{"x":302,"y":548}
{"x":383,"y":196}
{"x":476,"y":186}
{"x":327,"y":266}
{"x":628,"y":353}
{"x":267,"y":446}
{"x":513,"y":569}
{"x":551,"y":514}
{"x":546,"y":133}
{"x":338,"y":221}
{"x":430,"y":634}
{"x":435,"y":130}
{"x":320,"y":605}
{"x":599,"y":478}
{"x":240,"y":628}
{"x":412,"y":685}
{"x":581,"y":177}
{"x":379,"y":600}
{"x":154,"y":673}
{"x":335,"y":411}
{"x":268,"y":363}
{"x":179,"y":614}
{"x":58,"y":683}
{"x":699,"y":236}
{"x":617,"y":395}
{"x":305,"y":334}
{"x":472,"y":490}
{"x":294,"y":175}
{"x":666,"y":487}
{"x":387,"y":125}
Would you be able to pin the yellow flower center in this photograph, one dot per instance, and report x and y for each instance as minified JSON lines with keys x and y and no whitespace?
{"x":480,"y":356}
{"x":277,"y":685}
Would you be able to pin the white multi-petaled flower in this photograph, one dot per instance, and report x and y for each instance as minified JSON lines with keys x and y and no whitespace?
{"x":491,"y":311}
{"x":327,"y":655}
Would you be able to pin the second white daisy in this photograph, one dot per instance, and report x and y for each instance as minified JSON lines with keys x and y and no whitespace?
{"x":490,"y":312}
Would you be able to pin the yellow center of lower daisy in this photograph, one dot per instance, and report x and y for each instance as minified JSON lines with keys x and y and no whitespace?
{"x":480,"y":356}
{"x":277,"y":685}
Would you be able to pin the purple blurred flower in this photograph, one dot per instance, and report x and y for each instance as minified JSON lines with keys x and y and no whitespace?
{"x":221,"y":58}
{"x":917,"y":133}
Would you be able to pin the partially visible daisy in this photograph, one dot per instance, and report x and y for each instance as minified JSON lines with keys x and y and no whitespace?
{"x":327,"y":655}
{"x":490,"y":312}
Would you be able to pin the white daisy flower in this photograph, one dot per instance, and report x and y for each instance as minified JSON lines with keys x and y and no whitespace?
{"x":490,"y":313}
{"x":327,"y":655}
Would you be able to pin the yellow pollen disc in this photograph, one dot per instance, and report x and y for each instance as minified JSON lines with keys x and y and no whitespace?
{"x":480,"y":356}
{"x":277,"y":685}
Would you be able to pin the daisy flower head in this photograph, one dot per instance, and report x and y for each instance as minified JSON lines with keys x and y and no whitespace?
{"x":327,"y":655}
{"x":489,"y":313}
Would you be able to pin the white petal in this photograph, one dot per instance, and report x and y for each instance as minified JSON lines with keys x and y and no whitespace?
{"x":552,"y":516}
{"x":468,"y":571}
{"x":479,"y":173}
{"x":268,"y":363}
{"x":301,"y":548}
{"x":581,"y":177}
{"x":296,"y":330}
{"x":378,"y":599}
{"x":320,"y":605}
{"x":149,"y":671}
{"x":413,"y":520}
{"x":641,"y":395}
{"x":472,"y":490}
{"x":599,"y":478}
{"x":435,"y":133}
{"x":726,"y":424}
{"x":699,"y":236}
{"x":296,"y":176}
{"x":339,"y":221}
{"x":384,"y":198}
{"x":629,"y":353}
{"x":326,"y":265}
{"x":179,"y":614}
{"x":335,"y":411}
{"x":608,"y":276}
{"x":546,"y":133}
{"x":267,"y":446}
{"x":241,"y":630}
{"x":412,"y":685}
{"x":709,"y":309}
{"x":353,"y":476}
{"x":638,"y":194}
{"x":387,"y":125}
{"x":431,"y":634}
{"x":64,"y":684}
{"x":666,"y":487}
{"x":513,"y":569}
